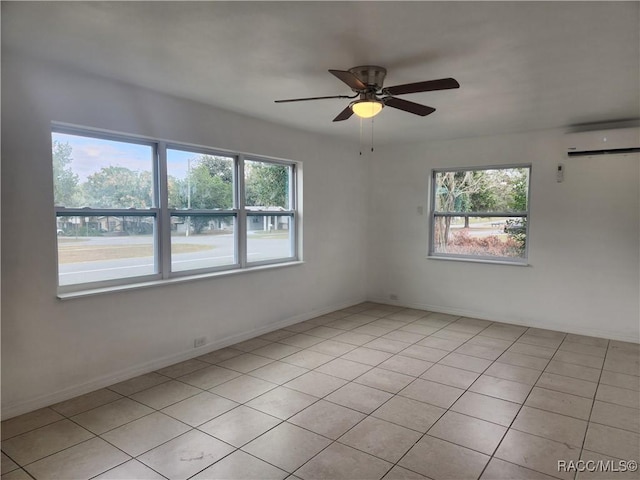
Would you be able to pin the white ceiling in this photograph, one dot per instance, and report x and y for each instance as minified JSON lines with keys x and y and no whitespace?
{"x":521,"y":65}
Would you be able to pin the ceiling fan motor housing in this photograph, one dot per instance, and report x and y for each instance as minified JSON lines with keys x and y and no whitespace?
{"x":370,"y":75}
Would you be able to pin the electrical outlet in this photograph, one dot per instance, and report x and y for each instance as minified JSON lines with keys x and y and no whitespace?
{"x":393,"y":296}
{"x":199,"y":342}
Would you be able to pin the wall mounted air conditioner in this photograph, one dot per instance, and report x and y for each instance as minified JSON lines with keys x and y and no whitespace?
{"x":603,"y":142}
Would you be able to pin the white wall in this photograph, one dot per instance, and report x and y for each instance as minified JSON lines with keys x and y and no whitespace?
{"x":584,"y":241}
{"x":53,"y":349}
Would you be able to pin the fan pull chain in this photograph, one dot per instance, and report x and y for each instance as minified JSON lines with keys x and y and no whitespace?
{"x":371,"y":134}
{"x":360,"y":136}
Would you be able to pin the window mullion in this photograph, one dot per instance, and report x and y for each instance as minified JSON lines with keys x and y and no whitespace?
{"x":163,"y":238}
{"x":241,"y":228}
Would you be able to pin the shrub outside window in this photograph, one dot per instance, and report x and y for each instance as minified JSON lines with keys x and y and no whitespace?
{"x":131,"y":210}
{"x":480,"y":213}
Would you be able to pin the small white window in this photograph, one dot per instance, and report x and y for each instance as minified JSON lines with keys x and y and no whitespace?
{"x":480,"y":213}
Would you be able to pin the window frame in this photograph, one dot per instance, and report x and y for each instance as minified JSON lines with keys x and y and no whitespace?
{"x":162,"y":214}
{"x":433,"y":213}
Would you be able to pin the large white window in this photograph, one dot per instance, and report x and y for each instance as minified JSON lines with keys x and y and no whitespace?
{"x":480,"y":213}
{"x":131,"y":210}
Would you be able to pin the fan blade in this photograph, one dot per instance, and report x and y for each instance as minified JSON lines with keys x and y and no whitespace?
{"x":442,"y":84}
{"x":349,"y":78}
{"x":344,"y":114}
{"x":311,"y":98}
{"x":407,"y":106}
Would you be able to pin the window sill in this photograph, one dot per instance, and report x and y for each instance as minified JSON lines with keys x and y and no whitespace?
{"x":479,"y":260}
{"x":172,"y":281}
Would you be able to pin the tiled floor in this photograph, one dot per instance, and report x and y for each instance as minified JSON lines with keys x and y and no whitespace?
{"x":369,"y":392}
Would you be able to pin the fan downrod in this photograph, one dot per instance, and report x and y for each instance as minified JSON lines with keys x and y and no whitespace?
{"x":371,"y":75}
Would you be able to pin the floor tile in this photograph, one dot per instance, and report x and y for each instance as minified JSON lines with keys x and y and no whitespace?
{"x":536,"y":453}
{"x":387,"y":345}
{"x":254,"y":343}
{"x":616,"y":416}
{"x":406,"y":365}
{"x":629,"y":364}
{"x":243,"y":389}
{"x":501,"y":470}
{"x":8,"y":465}
{"x":301,"y":340}
{"x":540,"y":341}
{"x":522,"y":360}
{"x":504,"y":331}
{"x":572,"y":370}
{"x":85,"y":402}
{"x":165,"y":394}
{"x":452,"y":376}
{"x":17,"y":475}
{"x":354,"y":338}
{"x":367,"y":356}
{"x":331,"y":348}
{"x":111,"y":415}
{"x":200,"y":408}
{"x":405,"y":337}
{"x":488,"y":353}
{"x":282,"y":402}
{"x":287,"y":447}
{"x":276,"y":351}
{"x":182,"y":368}
{"x":583,"y":339}
{"x":137,"y":384}
{"x":573,"y":347}
{"x":369,"y":329}
{"x":345,"y":369}
{"x":316,"y":384}
{"x":563,"y":429}
{"x":468,"y":432}
{"x":385,"y":380}
{"x":41,"y":442}
{"x":278,"y":372}
{"x":130,"y":470}
{"x":300,"y":327}
{"x":541,"y":332}
{"x":621,"y":380}
{"x":438,"y":459}
{"x":619,"y":396}
{"x":325,"y":332}
{"x":433,"y":393}
{"x":400,"y":473}
{"x":501,"y":388}
{"x":424,"y":353}
{"x":308,"y":359}
{"x":245,"y":363}
{"x":441,"y":343}
{"x":452,"y":334}
{"x":209,"y":377}
{"x":558,"y":402}
{"x":528,"y":376}
{"x":84,"y":460}
{"x":574,"y":386}
{"x":612,"y":441}
{"x":419,"y":328}
{"x":359,"y":397}
{"x":533,"y":350}
{"x":487,"y":408}
{"x":29,"y":421}
{"x":315,"y":418}
{"x":240,"y":425}
{"x":340,"y":462}
{"x":409,"y":413}
{"x":579,"y":359}
{"x":465,"y":362}
{"x":277,"y":335}
{"x":241,"y":466}
{"x":490,"y":342}
{"x":380,"y":438}
{"x":145,"y":433}
{"x":588,"y":456}
{"x":186,"y":455}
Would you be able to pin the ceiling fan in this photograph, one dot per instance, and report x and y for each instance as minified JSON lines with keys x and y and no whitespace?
{"x":367,"y":80}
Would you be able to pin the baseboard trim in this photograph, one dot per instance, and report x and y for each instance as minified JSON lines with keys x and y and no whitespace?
{"x":13,"y":410}
{"x":590,"y":332}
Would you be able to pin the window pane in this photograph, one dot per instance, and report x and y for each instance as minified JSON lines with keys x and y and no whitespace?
{"x":199,"y":181}
{"x":268,"y":237}
{"x":99,"y":173}
{"x":495,"y":190}
{"x":479,"y":236}
{"x":202,"y":242}
{"x":92,"y":249}
{"x":267,"y":186}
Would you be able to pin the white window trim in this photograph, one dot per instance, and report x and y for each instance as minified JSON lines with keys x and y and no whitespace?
{"x":432,"y":255}
{"x":162,"y":214}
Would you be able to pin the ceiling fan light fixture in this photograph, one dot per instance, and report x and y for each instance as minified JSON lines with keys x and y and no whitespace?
{"x":367,"y":108}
